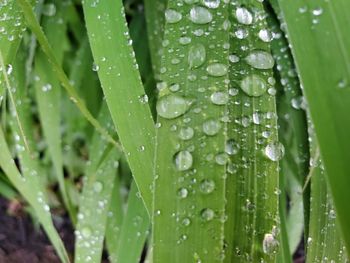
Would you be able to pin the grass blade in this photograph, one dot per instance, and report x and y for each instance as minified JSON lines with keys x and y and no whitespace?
{"x":189,"y":197}
{"x":321,"y":25}
{"x":121,"y":83}
{"x":252,"y":232}
{"x":35,"y":27}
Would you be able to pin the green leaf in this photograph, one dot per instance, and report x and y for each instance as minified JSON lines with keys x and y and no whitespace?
{"x":189,"y":197}
{"x":121,"y":83}
{"x":252,"y":227}
{"x":314,"y":28}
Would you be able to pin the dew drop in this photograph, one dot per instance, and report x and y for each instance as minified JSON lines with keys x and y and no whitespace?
{"x":244,"y":16}
{"x":172,"y":106}
{"x":253,"y":85}
{"x":270,"y":244}
{"x":274,"y":151}
{"x":207,"y":214}
{"x":95,"y":67}
{"x":217,"y":69}
{"x":232,"y":147}
{"x":211,"y":3}
{"x":265,"y":35}
{"x":97,"y":186}
{"x":186,"y":221}
{"x":183,"y":160}
{"x":211,"y":127}
{"x":172,"y":16}
{"x":221,"y":158}
{"x":196,"y":55}
{"x":260,"y":60}
{"x":207,"y":186}
{"x":86,"y":232}
{"x":200,"y":15}
{"x":219,"y":98}
{"x":233,"y":58}
{"x":182,"y":192}
{"x":186,"y":133}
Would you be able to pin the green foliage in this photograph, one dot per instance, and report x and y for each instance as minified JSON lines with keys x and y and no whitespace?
{"x":182,"y":133}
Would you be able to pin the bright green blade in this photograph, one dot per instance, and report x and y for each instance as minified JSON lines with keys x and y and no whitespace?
{"x":319,"y":38}
{"x":134,"y":230}
{"x":60,"y":74}
{"x":189,"y":197}
{"x":121,"y":83}
{"x":324,"y":243}
{"x":252,"y":226}
{"x":48,"y":97}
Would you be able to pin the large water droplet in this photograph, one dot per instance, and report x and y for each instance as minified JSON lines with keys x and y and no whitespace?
{"x":219,"y":98}
{"x":172,"y":106}
{"x":172,"y":16}
{"x":270,"y":244}
{"x":207,"y":186}
{"x":211,"y":127}
{"x":200,"y":15}
{"x":186,"y":133}
{"x":207,"y":214}
{"x":183,"y":160}
{"x":244,"y":16}
{"x":260,"y":59}
{"x":253,"y":85}
{"x":217,"y":69}
{"x":274,"y":151}
{"x":196,"y":55}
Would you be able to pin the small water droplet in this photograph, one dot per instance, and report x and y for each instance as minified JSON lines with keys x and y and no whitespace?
{"x":265,"y":35}
{"x":196,"y":55}
{"x":186,"y":221}
{"x":49,"y":9}
{"x":200,"y":15}
{"x":211,"y":127}
{"x":207,"y":214}
{"x":274,"y":151}
{"x":270,"y":244}
{"x":233,"y":58}
{"x":232,"y":147}
{"x":86,"y":232}
{"x":207,"y":186}
{"x":219,"y":98}
{"x":253,"y":85}
{"x":172,"y":16}
{"x":97,"y":186}
{"x":211,"y":3}
{"x":217,"y":69}
{"x":183,"y":160}
{"x":221,"y":158}
{"x":143,"y":99}
{"x":95,"y":67}
{"x":182,"y":192}
{"x":244,"y":16}
{"x":172,"y":106}
{"x":186,"y":133}
{"x":260,"y":59}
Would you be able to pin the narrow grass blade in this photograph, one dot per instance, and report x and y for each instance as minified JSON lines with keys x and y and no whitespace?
{"x":48,"y":98}
{"x":125,"y":96}
{"x":313,"y":29}
{"x":35,"y":27}
{"x":155,"y":19}
{"x":189,"y":197}
{"x":97,"y":191}
{"x":134,"y":230}
{"x":324,"y":242}
{"x":252,"y":227}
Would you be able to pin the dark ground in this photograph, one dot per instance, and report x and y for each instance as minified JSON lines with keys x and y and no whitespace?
{"x":20,"y":242}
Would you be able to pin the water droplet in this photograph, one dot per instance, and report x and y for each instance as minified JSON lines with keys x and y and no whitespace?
{"x":182,"y":192}
{"x":317,"y":11}
{"x":200,"y":15}
{"x":232,"y":147}
{"x":244,"y":16}
{"x":260,"y":59}
{"x":185,"y":40}
{"x":172,"y":16}
{"x":186,"y":133}
{"x":207,"y":214}
{"x":265,"y":35}
{"x":95,"y":67}
{"x":217,"y":69}
{"x":183,"y":160}
{"x":172,"y":106}
{"x":219,"y":98}
{"x":274,"y":151}
{"x":186,"y":221}
{"x":143,"y":99}
{"x":211,"y":127}
{"x":233,"y":58}
{"x":270,"y":244}
{"x":97,"y":186}
{"x":196,"y":55}
{"x":253,"y":85}
{"x":211,"y":3}
{"x":207,"y":186}
{"x":86,"y":232}
{"x":233,"y":91}
{"x":221,"y":158}
{"x":49,"y":9}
